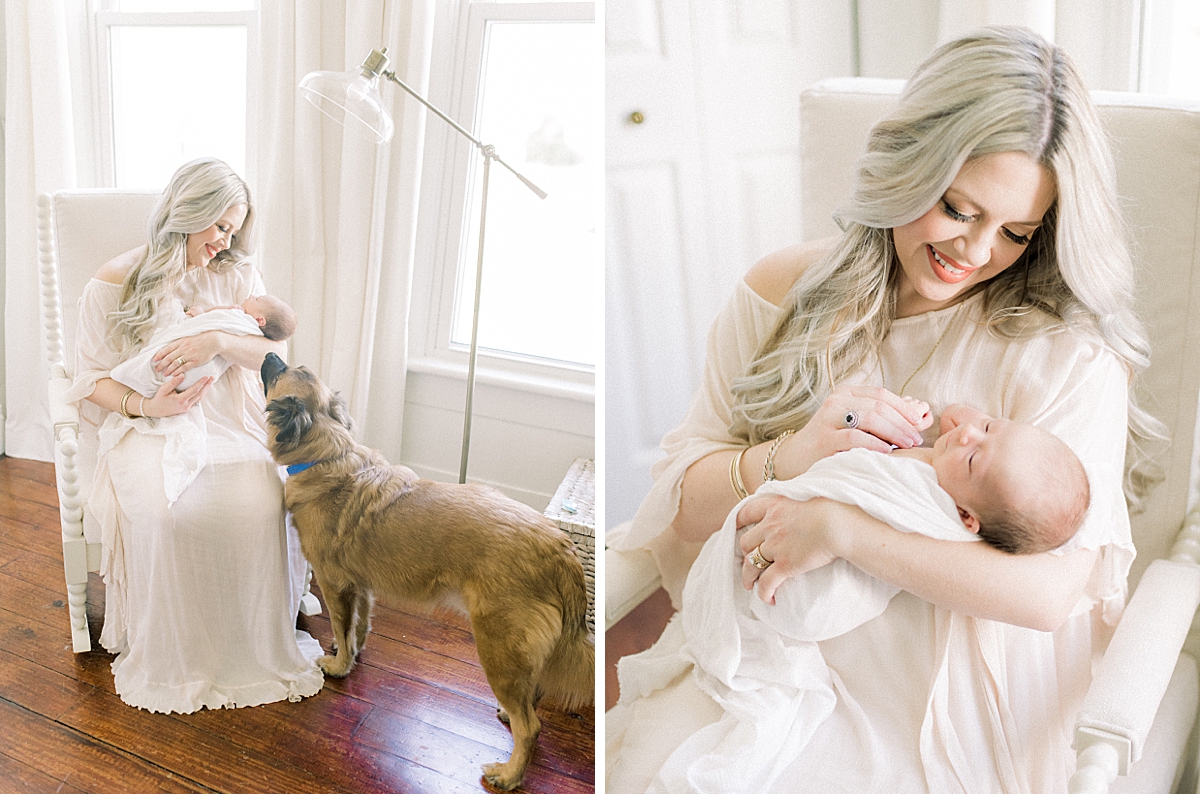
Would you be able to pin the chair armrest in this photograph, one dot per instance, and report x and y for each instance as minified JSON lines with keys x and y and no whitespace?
{"x":1128,"y":687}
{"x":629,"y":578}
{"x":62,"y":413}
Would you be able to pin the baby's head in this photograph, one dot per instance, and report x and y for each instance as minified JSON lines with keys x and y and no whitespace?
{"x":1019,"y":487}
{"x":276,"y":319}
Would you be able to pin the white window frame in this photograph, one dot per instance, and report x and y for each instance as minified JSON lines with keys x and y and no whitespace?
{"x":450,"y":161}
{"x":103,"y":20}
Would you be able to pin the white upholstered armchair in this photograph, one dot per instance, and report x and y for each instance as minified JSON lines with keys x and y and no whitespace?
{"x":1137,"y":719}
{"x":78,"y":231}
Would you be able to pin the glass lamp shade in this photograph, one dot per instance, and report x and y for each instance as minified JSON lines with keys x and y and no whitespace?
{"x":352,"y":100}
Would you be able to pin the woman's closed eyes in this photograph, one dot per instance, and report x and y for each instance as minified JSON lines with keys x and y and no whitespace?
{"x":960,"y":217}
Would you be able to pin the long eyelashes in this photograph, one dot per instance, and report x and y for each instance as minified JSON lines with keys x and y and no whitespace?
{"x":954,"y":214}
{"x":959,"y":217}
{"x":1018,"y":239}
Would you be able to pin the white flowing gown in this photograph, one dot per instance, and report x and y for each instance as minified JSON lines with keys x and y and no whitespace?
{"x":202,"y":589}
{"x":927,"y":700}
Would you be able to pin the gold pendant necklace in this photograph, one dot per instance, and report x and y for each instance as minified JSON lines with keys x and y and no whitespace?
{"x":936,"y":344}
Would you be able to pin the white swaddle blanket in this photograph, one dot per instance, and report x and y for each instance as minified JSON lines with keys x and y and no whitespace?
{"x":761,"y":662}
{"x":185,"y":453}
{"x":138,"y":370}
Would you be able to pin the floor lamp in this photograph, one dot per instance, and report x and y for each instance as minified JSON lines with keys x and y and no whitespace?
{"x":352,"y":99}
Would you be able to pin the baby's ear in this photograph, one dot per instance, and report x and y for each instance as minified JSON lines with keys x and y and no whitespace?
{"x":262,"y":321}
{"x":969,"y":519}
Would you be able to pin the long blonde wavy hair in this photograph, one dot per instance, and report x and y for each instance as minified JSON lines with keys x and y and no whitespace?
{"x":198,"y":195}
{"x":997,"y":89}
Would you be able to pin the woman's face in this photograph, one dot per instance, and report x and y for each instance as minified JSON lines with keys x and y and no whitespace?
{"x":203,"y":246}
{"x":976,"y":230}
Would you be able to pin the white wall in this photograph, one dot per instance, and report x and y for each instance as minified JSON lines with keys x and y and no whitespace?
{"x":3,"y":243}
{"x":522,"y":441}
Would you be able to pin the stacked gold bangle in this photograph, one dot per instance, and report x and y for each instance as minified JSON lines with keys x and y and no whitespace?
{"x":769,"y":464}
{"x":735,"y":474}
{"x":125,"y":405}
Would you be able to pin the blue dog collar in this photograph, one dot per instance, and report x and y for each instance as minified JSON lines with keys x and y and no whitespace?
{"x":296,"y":468}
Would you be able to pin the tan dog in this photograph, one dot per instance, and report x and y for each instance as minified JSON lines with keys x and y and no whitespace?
{"x":370,"y":527}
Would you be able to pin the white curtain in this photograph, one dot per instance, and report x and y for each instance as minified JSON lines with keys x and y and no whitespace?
{"x":39,"y":157}
{"x":339,"y":213}
{"x":956,"y":17}
{"x":1101,"y":36}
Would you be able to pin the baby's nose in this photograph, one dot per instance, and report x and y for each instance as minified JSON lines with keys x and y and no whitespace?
{"x":969,"y":433}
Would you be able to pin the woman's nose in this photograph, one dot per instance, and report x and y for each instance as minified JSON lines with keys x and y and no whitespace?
{"x":973,"y":246}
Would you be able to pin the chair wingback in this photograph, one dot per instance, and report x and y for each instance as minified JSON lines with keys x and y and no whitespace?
{"x":78,"y":231}
{"x":1156,"y":145}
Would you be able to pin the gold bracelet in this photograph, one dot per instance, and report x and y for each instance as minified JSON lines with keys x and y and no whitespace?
{"x":125,"y":405}
{"x":735,"y":474}
{"x":769,"y":464}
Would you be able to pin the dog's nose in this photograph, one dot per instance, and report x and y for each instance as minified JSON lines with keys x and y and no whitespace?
{"x":272,"y":368}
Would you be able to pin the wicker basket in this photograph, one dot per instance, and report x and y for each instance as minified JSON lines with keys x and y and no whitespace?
{"x":573,"y":508}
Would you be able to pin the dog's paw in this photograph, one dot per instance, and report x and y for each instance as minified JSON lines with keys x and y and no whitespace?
{"x":502,"y":776}
{"x":502,"y":715}
{"x":331,"y":666}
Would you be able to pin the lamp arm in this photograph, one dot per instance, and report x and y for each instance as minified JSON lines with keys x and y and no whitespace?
{"x":486,"y":150}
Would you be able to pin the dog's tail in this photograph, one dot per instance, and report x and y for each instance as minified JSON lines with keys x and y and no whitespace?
{"x":569,"y":675}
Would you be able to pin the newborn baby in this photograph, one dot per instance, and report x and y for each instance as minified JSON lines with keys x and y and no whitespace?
{"x":1018,"y":487}
{"x":263,"y":315}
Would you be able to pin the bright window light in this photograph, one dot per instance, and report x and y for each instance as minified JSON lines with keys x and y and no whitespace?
{"x":160,"y":6}
{"x":178,"y":93}
{"x":540,"y":107}
{"x":1184,"y":78}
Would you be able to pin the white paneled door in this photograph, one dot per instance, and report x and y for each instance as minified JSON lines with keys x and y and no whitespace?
{"x":701,"y":130}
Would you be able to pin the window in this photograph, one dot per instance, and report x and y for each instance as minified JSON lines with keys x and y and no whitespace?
{"x":1171,"y":48}
{"x":530,"y":85}
{"x":173,"y":86}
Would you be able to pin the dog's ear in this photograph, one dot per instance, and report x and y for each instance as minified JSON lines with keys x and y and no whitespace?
{"x":290,"y":417}
{"x":338,"y":411}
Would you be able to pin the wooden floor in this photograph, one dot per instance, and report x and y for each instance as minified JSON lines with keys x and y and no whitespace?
{"x":635,"y":632}
{"x":416,"y":715}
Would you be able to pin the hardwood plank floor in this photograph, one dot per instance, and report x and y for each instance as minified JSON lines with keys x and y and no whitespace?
{"x":416,"y":715}
{"x":635,"y":632}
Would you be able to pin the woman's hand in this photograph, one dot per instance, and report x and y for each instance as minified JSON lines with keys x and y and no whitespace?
{"x":882,"y":420}
{"x":794,"y":536}
{"x":168,"y":402}
{"x":177,"y":357}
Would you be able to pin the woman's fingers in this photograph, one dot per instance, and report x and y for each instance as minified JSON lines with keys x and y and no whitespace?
{"x":789,"y":537}
{"x":769,"y":582}
{"x":915,"y":412}
{"x":879,"y":413}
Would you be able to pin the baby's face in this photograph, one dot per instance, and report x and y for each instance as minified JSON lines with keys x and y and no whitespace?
{"x":977,"y":456}
{"x":254,"y":306}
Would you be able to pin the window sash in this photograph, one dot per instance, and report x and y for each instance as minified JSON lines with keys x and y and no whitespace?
{"x":459,"y":160}
{"x":105,"y":21}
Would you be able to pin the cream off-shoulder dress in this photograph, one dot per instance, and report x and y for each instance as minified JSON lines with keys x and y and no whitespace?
{"x":927,"y":699}
{"x":202,"y":578}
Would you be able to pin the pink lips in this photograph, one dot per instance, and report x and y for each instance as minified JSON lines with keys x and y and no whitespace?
{"x":941,"y":272}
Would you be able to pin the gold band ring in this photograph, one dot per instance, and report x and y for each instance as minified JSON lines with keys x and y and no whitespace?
{"x":757,"y":559}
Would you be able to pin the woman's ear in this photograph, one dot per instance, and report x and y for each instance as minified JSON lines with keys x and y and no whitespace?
{"x":969,"y":519}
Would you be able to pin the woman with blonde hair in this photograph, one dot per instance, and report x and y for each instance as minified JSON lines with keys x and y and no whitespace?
{"x":983,"y":261}
{"x":202,"y":576}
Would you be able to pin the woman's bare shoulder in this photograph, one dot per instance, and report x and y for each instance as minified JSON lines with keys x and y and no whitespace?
{"x":773,"y":275}
{"x":114,"y":270}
